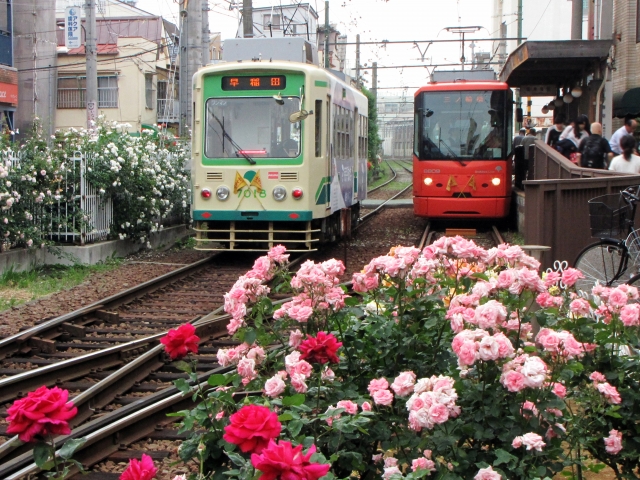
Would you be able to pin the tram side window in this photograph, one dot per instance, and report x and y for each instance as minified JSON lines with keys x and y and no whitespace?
{"x":318,"y":116}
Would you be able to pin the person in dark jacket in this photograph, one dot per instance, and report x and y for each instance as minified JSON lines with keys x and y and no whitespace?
{"x":517,"y":140}
{"x":594,"y":150}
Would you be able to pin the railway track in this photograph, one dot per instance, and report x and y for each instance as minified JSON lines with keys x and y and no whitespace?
{"x":485,"y":237}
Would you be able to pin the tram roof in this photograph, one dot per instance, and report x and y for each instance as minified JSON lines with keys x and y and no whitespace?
{"x":553,"y":62}
{"x":461,"y":85}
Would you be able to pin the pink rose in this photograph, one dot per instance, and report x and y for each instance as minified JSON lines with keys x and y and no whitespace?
{"x":490,"y":315}
{"x":617,"y":298}
{"x":559,"y":389}
{"x":630,"y":315}
{"x":438,"y":413}
{"x":349,"y":406}
{"x":597,"y":377}
{"x":382,"y":397}
{"x":403,"y":384}
{"x":377,"y":384}
{"x":274,"y":386}
{"x":467,"y":353}
{"x":295,"y":338}
{"x":298,"y":383}
{"x":328,"y":375}
{"x":512,"y":381}
{"x":610,"y":393}
{"x":531,"y":440}
{"x":488,"y":349}
{"x":580,"y":307}
{"x":613,"y":442}
{"x":366,"y":407}
{"x":247,"y":368}
{"x":487,"y":474}
{"x":570,"y":276}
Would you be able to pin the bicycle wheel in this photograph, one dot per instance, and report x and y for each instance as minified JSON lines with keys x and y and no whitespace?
{"x":604,"y":262}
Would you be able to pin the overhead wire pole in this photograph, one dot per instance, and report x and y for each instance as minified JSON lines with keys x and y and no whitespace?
{"x":519,"y":40}
{"x":90,"y":48}
{"x":247,"y":18}
{"x":183,"y":85}
{"x":358,"y":60}
{"x":326,"y":34}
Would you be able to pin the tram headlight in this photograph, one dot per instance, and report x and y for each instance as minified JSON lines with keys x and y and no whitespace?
{"x":222,"y":193}
{"x":428,"y":181}
{"x":495,"y":181}
{"x":279,"y":193}
{"x":297,"y":193}
{"x":206,"y":193}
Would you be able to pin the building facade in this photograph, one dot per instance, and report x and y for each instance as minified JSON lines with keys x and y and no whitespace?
{"x":8,"y":74}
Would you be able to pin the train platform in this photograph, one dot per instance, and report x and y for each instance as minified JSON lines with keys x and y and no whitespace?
{"x":401,"y":203}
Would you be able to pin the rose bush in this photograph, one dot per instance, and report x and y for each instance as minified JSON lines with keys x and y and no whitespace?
{"x":453,"y":362}
{"x":144,"y":176}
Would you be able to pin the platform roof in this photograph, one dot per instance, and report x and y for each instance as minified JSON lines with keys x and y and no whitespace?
{"x":553,"y":62}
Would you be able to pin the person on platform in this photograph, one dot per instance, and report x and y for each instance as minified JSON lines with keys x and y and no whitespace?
{"x":627,"y":129}
{"x":553,"y":133}
{"x":627,"y":162}
{"x":594,"y":150}
{"x":528,"y":141}
{"x":517,"y":140}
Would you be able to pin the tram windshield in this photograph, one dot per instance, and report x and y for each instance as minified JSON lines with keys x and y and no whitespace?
{"x":251,"y":127}
{"x":472,"y":124}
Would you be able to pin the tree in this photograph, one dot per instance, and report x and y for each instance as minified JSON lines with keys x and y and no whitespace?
{"x":374,"y":136}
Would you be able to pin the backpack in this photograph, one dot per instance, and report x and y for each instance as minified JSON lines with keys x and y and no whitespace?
{"x":566,"y":147}
{"x":592,"y":153}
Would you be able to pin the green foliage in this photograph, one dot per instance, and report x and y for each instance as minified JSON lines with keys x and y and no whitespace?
{"x":143,"y":176}
{"x":375,"y":142}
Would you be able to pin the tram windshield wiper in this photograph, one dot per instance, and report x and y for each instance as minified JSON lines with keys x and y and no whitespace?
{"x":239,"y":150}
{"x":452,"y":153}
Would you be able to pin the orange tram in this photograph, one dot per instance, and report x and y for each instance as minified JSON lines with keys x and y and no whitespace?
{"x":462,"y":164}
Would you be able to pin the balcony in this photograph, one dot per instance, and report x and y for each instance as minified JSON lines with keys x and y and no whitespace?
{"x":168,"y":110}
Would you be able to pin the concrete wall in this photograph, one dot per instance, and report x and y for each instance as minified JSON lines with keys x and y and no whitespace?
{"x":23,"y":259}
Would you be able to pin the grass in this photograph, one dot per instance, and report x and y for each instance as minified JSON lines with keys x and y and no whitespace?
{"x":513,"y":238}
{"x":386,"y":175}
{"x":20,"y":287}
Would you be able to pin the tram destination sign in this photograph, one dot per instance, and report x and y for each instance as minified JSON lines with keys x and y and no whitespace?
{"x":262,"y":82}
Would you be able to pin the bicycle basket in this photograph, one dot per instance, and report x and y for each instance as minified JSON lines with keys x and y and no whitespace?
{"x":609,"y":216}
{"x":633,"y":246}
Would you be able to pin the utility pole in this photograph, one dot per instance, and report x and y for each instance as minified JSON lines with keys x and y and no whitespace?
{"x":206,"y":34}
{"x":520,"y":22}
{"x":576,"y":20}
{"x":358,"y":60}
{"x":190,"y":57}
{"x":90,"y":49}
{"x":183,"y":86}
{"x":247,"y":18}
{"x":326,"y":34}
{"x":374,"y":81}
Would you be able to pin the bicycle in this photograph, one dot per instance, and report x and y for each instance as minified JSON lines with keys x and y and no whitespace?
{"x":607,"y":261}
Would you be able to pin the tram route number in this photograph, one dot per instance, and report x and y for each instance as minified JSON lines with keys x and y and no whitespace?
{"x":247,"y":193}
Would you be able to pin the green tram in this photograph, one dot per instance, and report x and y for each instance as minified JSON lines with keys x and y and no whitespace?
{"x":279,"y":155}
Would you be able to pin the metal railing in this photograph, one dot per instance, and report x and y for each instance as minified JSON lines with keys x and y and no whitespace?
{"x":556,"y":206}
{"x":168,"y":110}
{"x":76,"y":97}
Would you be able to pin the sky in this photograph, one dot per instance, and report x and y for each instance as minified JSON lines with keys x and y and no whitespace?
{"x":393,"y":20}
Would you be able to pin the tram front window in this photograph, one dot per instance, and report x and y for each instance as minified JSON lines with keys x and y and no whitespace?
{"x":462,"y":125}
{"x":254,"y":127}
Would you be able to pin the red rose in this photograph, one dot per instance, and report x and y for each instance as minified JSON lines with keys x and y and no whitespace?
{"x":252,"y":427}
{"x":140,"y":470}
{"x":288,"y":463}
{"x":181,"y":341}
{"x":322,"y":348}
{"x":40,"y":413}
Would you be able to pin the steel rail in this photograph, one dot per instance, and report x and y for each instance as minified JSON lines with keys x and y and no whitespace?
{"x":385,"y":183}
{"x":15,"y":342}
{"x":369,"y":215}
